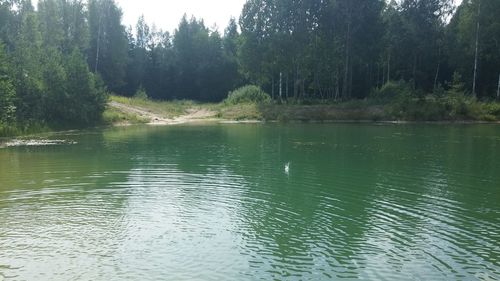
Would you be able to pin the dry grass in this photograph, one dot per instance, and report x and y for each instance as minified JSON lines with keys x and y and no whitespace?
{"x":239,"y":112}
{"x":357,"y":110}
{"x":338,"y":112}
{"x":113,"y":116}
{"x":252,"y":111}
{"x":167,"y":109}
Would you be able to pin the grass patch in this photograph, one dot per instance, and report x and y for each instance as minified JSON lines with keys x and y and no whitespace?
{"x":11,"y":130}
{"x":167,"y":109}
{"x":348,"y":111}
{"x":457,"y":107}
{"x":239,"y":112}
{"x":114,"y":116}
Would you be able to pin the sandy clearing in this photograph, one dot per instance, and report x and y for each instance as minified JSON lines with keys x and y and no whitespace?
{"x":191,"y":115}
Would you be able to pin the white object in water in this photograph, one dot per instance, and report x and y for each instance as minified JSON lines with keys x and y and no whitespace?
{"x":287,"y":168}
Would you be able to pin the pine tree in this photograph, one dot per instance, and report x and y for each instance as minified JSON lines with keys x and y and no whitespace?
{"x":87,"y":98}
{"x":27,"y":67}
{"x":7,"y":90}
{"x":107,"y":54}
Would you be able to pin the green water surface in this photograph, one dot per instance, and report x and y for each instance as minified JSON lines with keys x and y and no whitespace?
{"x":215,"y":202}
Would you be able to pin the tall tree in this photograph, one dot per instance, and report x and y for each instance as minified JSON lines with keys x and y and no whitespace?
{"x":137,"y":57}
{"x":462,"y":35}
{"x":423,"y":24}
{"x":107,"y":54}
{"x":27,"y":63}
{"x":230,"y":45}
{"x":85,"y":91}
{"x":159,"y":77}
{"x":7,"y":90}
{"x":255,"y":23}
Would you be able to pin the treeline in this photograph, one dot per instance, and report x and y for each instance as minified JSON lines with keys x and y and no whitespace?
{"x":195,"y":63}
{"x":318,"y":49}
{"x":44,"y":75}
{"x":345,"y":48}
{"x":58,"y":61}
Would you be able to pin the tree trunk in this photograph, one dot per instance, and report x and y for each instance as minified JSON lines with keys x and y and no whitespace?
{"x":350,"y":83}
{"x":345,"y":90}
{"x":302,"y":88}
{"x":272,"y":87}
{"x":281,"y":83}
{"x":378,"y":76}
{"x":337,"y":86}
{"x":415,"y":72}
{"x":383,"y":75}
{"x":331,"y":88}
{"x":98,"y":43}
{"x":296,"y":83}
{"x":370,"y":74}
{"x":437,"y":74}
{"x":287,"y":75}
{"x":498,"y":89}
{"x":315,"y":92}
{"x":437,"y":70}
{"x":477,"y":50}
{"x":389,"y":66}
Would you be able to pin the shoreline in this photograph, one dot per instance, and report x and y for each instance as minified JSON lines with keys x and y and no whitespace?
{"x":35,"y":137}
{"x":123,"y":111}
{"x":362,"y":111}
{"x":229,"y":122}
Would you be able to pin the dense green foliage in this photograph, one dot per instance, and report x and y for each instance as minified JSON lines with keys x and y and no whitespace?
{"x":107,"y":49}
{"x":58,"y":60}
{"x":44,"y":75}
{"x":310,"y":50}
{"x":194,"y":63}
{"x":345,"y":48}
{"x":7,"y":91}
{"x":248,"y":94}
{"x":452,"y":104}
{"x":391,"y":90}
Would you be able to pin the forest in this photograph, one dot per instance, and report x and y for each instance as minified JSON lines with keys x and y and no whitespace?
{"x":60,"y":60}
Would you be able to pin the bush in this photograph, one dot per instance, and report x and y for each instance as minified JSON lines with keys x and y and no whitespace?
{"x":418,"y":109}
{"x":493,"y":109}
{"x":391,"y":90}
{"x":457,"y":87}
{"x":248,"y":94}
{"x":452,"y":104}
{"x":452,"y":108}
{"x":458,"y":105}
{"x":7,"y":90}
{"x":87,"y":95}
{"x":141,"y":94}
{"x":8,"y":130}
{"x":16,"y":129}
{"x":7,"y":95}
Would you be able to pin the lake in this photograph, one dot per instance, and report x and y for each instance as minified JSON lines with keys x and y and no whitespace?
{"x":215,"y":202}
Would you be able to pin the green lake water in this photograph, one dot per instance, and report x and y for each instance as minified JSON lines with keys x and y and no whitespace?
{"x":214,"y":202}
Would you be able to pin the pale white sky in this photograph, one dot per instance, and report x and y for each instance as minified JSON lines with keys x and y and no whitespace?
{"x":166,"y":14}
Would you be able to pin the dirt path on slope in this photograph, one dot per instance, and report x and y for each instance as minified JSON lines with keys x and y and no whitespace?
{"x":191,"y":115}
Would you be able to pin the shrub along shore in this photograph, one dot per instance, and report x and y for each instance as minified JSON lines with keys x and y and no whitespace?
{"x":394,"y":102}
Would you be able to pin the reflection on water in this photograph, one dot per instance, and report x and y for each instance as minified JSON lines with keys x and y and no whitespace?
{"x":215,"y":203}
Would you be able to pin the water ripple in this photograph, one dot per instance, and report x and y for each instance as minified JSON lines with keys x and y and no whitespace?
{"x":159,"y":203}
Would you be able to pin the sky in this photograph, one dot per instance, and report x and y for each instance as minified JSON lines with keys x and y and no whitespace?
{"x":166,"y":14}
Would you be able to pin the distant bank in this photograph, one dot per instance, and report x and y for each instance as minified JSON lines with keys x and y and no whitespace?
{"x":123,"y":110}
